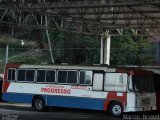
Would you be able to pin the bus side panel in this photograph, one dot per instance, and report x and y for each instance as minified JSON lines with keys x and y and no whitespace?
{"x":75,"y":102}
{"x":17,"y":97}
{"x":59,"y":101}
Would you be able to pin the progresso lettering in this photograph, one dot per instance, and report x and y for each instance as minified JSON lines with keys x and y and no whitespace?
{"x":55,"y":90}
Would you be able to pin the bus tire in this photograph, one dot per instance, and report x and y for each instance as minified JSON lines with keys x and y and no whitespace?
{"x":116,"y":109}
{"x":38,"y":104}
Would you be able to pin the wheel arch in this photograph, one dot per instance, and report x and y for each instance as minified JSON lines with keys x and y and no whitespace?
{"x":110,"y":103}
{"x":37,"y":96}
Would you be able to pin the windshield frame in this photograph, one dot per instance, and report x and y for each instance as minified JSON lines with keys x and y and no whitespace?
{"x":131,"y":87}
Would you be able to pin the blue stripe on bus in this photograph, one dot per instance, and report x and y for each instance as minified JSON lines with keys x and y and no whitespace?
{"x":76,"y":102}
{"x":59,"y":101}
{"x":16,"y":97}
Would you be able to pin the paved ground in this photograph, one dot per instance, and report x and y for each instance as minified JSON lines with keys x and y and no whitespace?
{"x":25,"y":112}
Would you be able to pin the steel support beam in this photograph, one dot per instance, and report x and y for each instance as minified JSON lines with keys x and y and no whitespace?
{"x":105,"y":48}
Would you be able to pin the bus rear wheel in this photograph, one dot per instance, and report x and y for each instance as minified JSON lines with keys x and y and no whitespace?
{"x":38,"y":104}
{"x":116,"y":109}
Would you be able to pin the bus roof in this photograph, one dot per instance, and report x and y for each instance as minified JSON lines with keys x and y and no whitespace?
{"x":105,"y":68}
{"x":62,"y":66}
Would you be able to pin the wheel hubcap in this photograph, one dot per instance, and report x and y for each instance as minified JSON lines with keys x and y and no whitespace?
{"x":39,"y":104}
{"x":116,"y":110}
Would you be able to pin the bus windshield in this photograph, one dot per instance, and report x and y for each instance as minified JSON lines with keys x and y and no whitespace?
{"x":157,"y":82}
{"x":142,"y":84}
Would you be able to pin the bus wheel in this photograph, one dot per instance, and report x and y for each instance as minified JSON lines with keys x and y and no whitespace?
{"x":38,"y":104}
{"x":116,"y":109}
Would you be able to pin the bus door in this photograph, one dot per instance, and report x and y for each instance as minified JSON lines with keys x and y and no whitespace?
{"x":97,"y":89}
{"x":98,"y":81}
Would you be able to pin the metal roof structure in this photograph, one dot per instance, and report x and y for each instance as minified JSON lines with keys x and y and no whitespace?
{"x":82,"y":16}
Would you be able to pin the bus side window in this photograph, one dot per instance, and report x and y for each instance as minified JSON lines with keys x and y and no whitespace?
{"x":41,"y":75}
{"x":21,"y":75}
{"x":11,"y":74}
{"x":50,"y":76}
{"x":82,"y":77}
{"x":66,"y":76}
{"x":62,"y":76}
{"x":115,"y":82}
{"x":30,"y":75}
{"x":72,"y":77}
{"x":85,"y":78}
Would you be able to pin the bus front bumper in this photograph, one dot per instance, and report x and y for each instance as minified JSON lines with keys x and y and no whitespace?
{"x":139,"y":109}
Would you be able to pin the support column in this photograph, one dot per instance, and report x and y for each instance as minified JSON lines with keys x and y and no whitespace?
{"x":48,"y":38}
{"x":12,"y":31}
{"x":105,"y":49}
{"x":102,"y":51}
{"x":7,"y":49}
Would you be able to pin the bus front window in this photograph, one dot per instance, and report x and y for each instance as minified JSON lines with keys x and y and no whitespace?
{"x":142,"y":83}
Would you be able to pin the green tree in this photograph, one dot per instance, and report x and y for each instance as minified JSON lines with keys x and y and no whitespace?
{"x":74,"y":48}
{"x":129,"y":49}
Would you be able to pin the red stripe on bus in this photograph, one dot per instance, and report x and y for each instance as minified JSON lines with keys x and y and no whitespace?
{"x":5,"y":86}
{"x":5,"y":82}
{"x":112,"y":96}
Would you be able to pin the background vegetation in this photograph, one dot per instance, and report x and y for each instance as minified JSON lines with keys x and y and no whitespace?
{"x":67,"y":47}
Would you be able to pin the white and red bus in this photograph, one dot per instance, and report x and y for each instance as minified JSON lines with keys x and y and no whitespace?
{"x":95,"y":87}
